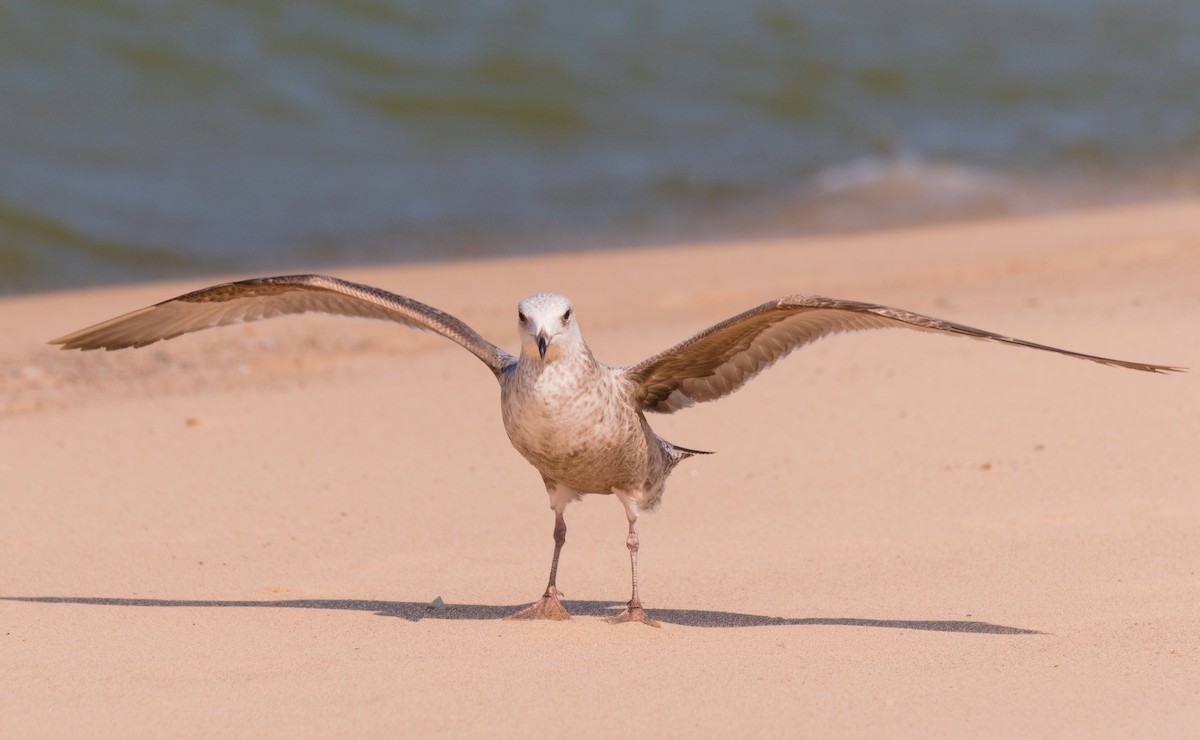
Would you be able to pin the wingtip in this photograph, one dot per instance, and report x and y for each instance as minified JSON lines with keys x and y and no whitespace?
{"x":70,"y":341}
{"x":81,"y":343}
{"x":1156,"y":369}
{"x":63,"y":342}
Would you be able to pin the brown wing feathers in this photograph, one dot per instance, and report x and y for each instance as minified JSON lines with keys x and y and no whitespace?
{"x":709,"y":365}
{"x":262,"y":298}
{"x":722,"y":358}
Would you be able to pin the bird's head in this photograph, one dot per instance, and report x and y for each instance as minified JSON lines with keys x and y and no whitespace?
{"x":546,"y":323}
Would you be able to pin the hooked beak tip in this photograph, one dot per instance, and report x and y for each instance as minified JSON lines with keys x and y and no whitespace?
{"x":542,"y":344}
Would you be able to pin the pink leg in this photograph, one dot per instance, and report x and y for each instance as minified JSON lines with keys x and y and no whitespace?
{"x":549,"y":606}
{"x":633,"y":611}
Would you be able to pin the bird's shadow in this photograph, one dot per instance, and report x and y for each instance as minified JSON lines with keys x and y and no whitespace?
{"x":413,"y":611}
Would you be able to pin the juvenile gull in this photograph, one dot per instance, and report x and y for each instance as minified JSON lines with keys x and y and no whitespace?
{"x":580,"y":422}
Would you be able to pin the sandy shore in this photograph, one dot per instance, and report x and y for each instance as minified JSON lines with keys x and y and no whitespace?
{"x":241,"y":532}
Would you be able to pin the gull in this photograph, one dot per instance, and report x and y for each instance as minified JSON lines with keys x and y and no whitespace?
{"x":580,"y":422}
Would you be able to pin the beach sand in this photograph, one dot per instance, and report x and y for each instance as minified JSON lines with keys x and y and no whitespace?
{"x":248,"y":531}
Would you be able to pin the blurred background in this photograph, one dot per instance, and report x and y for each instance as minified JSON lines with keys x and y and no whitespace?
{"x":161,"y":138}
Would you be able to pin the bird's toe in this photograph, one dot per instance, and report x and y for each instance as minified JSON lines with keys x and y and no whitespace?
{"x":633,"y":613}
{"x":547,"y":607}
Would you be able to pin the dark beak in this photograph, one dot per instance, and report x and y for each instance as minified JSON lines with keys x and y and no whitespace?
{"x":542,"y":344}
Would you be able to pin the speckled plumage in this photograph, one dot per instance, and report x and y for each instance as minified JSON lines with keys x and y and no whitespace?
{"x":581,"y":423}
{"x":576,"y":421}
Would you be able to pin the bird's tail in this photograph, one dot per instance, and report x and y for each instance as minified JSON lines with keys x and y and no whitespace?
{"x":676,"y":454}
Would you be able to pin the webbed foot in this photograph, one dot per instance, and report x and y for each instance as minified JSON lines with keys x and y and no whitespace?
{"x":633,"y":613}
{"x":548,"y":607}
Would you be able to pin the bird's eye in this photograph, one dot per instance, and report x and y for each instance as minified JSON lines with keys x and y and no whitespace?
{"x":567,"y":316}
{"x":521,"y":317}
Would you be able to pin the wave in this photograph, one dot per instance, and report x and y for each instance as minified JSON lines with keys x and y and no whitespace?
{"x":143,"y":139}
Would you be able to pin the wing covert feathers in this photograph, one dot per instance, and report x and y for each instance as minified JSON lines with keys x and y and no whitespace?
{"x":264,"y":298}
{"x":722,"y":358}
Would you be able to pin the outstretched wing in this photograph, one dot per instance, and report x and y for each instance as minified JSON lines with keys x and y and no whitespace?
{"x":720,"y":359}
{"x":264,"y":298}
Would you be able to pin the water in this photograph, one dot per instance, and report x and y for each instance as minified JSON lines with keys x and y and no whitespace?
{"x":150,"y":138}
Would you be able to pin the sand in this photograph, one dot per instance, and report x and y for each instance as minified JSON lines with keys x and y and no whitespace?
{"x":312,"y":526}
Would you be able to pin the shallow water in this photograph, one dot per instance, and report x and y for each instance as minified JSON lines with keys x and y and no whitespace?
{"x":147,"y":138}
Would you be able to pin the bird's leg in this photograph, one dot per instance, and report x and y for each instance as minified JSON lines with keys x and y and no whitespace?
{"x":549,"y":606}
{"x":633,"y":611}
{"x":560,"y":539}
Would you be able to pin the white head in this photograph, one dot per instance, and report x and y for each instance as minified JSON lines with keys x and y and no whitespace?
{"x":546,"y":324}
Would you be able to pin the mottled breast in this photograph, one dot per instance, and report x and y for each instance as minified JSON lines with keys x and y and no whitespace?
{"x":574,"y":422}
